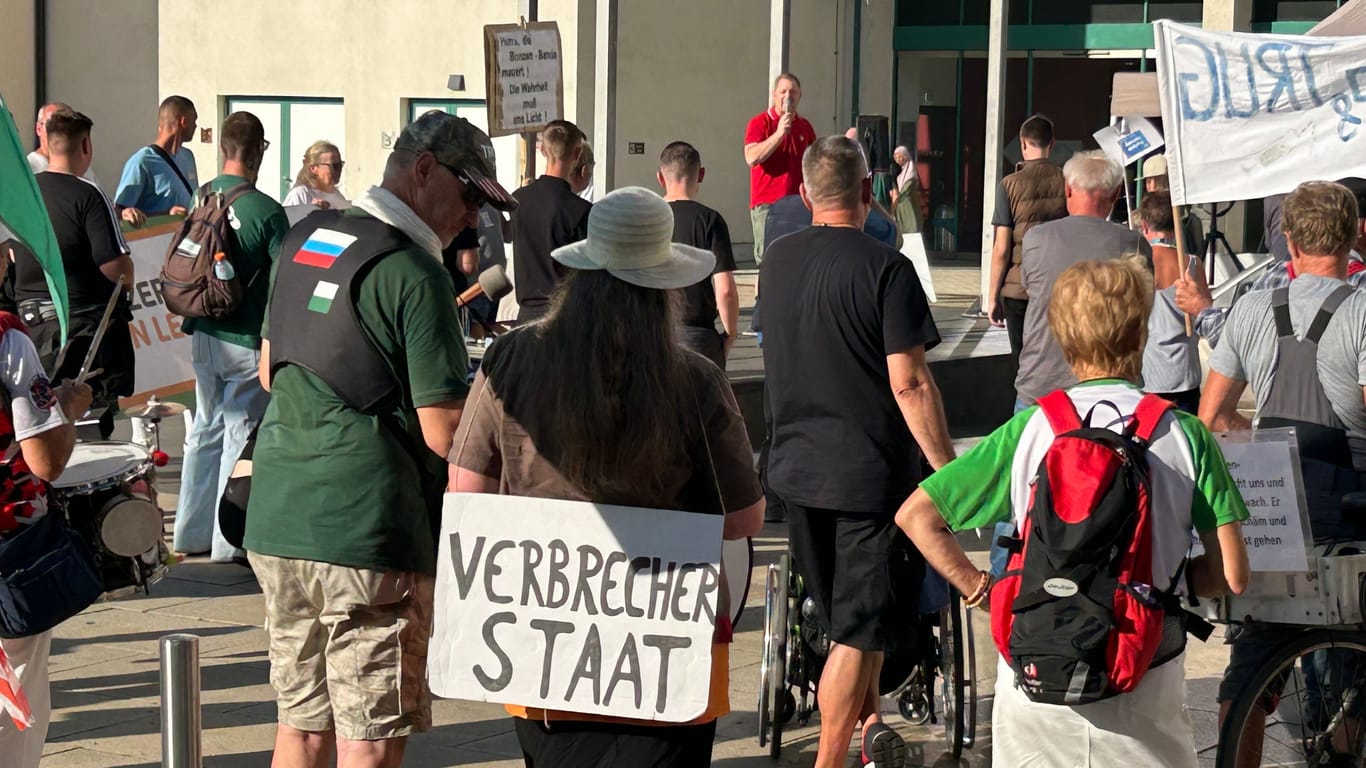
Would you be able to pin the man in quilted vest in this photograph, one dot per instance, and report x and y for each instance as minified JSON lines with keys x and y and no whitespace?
{"x":1031,"y":195}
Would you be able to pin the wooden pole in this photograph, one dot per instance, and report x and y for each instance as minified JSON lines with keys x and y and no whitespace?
{"x":1178,"y":215}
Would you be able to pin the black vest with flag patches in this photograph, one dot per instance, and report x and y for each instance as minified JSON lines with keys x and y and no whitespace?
{"x":313,"y":321}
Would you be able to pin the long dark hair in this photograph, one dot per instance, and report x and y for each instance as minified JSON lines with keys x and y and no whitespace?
{"x":618,"y":390}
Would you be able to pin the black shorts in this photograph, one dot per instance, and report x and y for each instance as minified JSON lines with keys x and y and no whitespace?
{"x":864,"y":575}
{"x":584,"y":744}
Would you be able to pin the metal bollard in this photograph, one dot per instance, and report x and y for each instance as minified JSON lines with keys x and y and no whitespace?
{"x":181,"y":745}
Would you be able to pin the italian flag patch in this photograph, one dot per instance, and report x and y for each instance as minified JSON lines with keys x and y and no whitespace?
{"x":321,"y":301}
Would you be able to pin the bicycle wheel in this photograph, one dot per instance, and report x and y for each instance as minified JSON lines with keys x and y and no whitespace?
{"x":952,"y":686}
{"x":1304,"y":706}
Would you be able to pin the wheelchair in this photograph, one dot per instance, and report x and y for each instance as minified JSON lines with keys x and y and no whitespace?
{"x":1306,"y":705}
{"x":931,"y":674}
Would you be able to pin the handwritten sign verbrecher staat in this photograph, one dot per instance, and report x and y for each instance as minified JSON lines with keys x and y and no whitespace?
{"x":525,"y":76}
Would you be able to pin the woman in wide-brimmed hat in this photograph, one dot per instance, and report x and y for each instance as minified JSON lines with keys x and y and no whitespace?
{"x":598,"y":402}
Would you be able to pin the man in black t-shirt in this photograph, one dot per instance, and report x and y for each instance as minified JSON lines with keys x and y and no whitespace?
{"x":548,"y":216}
{"x":846,"y":327}
{"x":680,"y":174}
{"x":94,"y":256}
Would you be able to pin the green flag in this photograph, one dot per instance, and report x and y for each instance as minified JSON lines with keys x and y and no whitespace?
{"x":23,"y":213}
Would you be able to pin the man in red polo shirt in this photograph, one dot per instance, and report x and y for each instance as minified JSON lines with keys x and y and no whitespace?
{"x":774,"y":142}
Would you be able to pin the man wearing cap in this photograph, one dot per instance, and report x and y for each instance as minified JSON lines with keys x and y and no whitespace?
{"x":364,"y":357}
{"x":1155,"y":180}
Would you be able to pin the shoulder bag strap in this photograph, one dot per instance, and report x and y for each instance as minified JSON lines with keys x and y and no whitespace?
{"x":1280,"y":310}
{"x":1148,"y":415}
{"x":1060,"y":411}
{"x":1325,"y":313}
{"x":164,"y":155}
{"x":724,"y":631}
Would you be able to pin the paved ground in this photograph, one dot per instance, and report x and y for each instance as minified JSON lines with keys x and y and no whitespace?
{"x":105,"y":670}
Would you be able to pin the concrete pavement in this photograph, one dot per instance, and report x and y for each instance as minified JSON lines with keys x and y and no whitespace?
{"x":105,"y":669}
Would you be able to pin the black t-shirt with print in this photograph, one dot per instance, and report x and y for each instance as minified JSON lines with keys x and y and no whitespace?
{"x":701,"y":227}
{"x":88,"y":235}
{"x":836,"y":304}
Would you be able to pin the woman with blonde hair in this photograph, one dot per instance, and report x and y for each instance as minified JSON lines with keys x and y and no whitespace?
{"x":1099,"y":314}
{"x":318,"y":178}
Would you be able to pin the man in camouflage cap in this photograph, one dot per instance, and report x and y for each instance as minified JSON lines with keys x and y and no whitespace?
{"x":367,"y":368}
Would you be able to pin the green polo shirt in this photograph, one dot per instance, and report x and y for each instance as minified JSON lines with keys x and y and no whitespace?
{"x":260,"y":224}
{"x":334,"y":485}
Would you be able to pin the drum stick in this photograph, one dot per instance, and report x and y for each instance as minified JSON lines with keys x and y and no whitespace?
{"x":99,"y":331}
{"x":1177,"y":217}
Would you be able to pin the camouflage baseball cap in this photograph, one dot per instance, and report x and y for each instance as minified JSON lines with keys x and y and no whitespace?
{"x":460,"y":146}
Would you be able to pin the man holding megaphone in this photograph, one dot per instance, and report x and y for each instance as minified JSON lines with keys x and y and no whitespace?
{"x":774,"y":142}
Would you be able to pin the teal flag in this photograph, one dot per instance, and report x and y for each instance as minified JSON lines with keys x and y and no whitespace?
{"x":23,"y":213}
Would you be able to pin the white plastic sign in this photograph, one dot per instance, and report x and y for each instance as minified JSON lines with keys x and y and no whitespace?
{"x":1266,"y":469}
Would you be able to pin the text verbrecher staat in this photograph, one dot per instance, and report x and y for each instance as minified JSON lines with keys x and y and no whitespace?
{"x":575,"y":606}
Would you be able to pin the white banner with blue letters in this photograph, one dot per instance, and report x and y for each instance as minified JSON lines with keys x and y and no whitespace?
{"x":1250,"y":115}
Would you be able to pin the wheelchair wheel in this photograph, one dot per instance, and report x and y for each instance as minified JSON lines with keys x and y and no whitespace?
{"x":1306,"y":706}
{"x":953,"y":680}
{"x":776,"y":702}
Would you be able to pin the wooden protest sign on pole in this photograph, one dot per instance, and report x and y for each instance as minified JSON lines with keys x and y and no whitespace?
{"x":1178,"y":214}
{"x":525,"y":81}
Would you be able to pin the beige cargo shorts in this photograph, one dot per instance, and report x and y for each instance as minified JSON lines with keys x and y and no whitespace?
{"x":348,"y":647}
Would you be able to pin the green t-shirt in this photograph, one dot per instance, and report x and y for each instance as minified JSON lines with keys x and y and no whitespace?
{"x":334,"y":485}
{"x":260,"y":224}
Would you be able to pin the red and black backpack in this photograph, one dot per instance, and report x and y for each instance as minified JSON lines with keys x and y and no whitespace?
{"x":1076,"y":614}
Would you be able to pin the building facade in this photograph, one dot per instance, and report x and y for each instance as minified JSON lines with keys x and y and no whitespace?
{"x":355,"y":72}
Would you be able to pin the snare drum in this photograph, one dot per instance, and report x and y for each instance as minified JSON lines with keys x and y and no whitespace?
{"x":108,"y":491}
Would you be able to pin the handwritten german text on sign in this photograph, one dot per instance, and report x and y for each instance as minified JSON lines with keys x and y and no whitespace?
{"x":1265,"y":467}
{"x":525,"y":76}
{"x":1250,"y":115}
{"x":575,"y":606}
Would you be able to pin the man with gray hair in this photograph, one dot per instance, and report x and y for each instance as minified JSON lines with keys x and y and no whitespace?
{"x":853,"y":404}
{"x":363,"y":354}
{"x":1091,"y":185}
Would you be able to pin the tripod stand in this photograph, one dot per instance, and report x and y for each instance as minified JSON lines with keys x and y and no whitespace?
{"x":1214,"y":239}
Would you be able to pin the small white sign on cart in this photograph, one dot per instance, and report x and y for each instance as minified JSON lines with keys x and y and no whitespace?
{"x":575,"y":606}
{"x":1265,"y":467}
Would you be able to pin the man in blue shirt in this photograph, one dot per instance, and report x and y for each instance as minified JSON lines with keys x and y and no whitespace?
{"x":160,"y":178}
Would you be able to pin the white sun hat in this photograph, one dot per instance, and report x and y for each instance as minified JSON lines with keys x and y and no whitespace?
{"x":629,"y":234}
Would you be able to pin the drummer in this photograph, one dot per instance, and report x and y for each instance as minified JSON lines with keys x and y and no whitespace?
{"x":36,"y":426}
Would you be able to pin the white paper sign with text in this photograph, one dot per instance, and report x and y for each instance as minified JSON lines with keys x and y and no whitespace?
{"x":1250,"y":115}
{"x":1266,"y":469}
{"x":575,"y":606}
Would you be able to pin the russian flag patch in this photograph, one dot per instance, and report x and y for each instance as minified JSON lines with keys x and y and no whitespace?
{"x":322,"y":248}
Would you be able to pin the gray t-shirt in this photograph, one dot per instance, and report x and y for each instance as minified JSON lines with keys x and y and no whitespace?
{"x":1049,"y":249}
{"x":1247,"y":349}
{"x":1171,"y":361}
